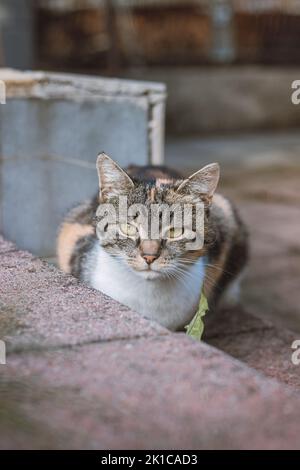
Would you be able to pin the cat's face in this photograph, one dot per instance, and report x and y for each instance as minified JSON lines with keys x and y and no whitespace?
{"x":156,"y":238}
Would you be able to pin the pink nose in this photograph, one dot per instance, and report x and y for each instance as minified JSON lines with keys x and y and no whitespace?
{"x":150,"y":258}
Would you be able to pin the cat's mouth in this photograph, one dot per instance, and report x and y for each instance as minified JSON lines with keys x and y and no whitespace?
{"x":149,"y":273}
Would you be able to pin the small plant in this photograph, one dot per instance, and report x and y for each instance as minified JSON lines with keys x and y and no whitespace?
{"x":196,"y":327}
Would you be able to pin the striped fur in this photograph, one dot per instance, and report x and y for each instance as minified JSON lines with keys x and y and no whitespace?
{"x":225,"y":251}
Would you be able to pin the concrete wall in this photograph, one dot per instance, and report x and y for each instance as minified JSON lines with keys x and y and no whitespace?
{"x":51,"y":130}
{"x":226,"y":99}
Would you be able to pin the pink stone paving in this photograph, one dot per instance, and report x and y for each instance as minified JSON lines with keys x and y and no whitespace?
{"x":160,"y":392}
{"x":85,"y":372}
{"x":42,"y":307}
{"x":256,"y":343}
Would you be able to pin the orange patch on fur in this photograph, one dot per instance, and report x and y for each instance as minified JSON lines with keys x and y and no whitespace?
{"x":68,"y":236}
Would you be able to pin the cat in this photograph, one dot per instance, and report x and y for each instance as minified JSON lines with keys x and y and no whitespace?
{"x":159,"y":278}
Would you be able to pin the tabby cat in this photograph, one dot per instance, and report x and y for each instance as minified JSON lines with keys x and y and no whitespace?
{"x":159,"y":278}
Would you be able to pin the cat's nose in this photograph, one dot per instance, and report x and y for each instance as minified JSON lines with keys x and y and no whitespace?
{"x":150,"y":250}
{"x":150,"y":258}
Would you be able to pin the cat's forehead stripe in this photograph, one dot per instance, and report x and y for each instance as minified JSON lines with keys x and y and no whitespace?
{"x":152,"y":194}
{"x":160,"y":181}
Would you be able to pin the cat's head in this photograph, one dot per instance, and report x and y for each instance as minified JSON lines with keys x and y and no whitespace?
{"x":166,"y":226}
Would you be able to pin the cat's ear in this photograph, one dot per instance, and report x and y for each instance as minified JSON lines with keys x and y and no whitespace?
{"x":113,"y":181}
{"x":202,"y":184}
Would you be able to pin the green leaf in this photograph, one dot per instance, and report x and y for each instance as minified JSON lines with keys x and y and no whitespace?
{"x":196,"y":327}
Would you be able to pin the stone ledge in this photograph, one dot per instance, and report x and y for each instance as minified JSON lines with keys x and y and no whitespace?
{"x":6,"y":246}
{"x":69,"y":381}
{"x":152,"y":393}
{"x":41,"y":307}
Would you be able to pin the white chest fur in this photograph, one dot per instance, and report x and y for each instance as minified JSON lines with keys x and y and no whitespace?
{"x":170,"y":302}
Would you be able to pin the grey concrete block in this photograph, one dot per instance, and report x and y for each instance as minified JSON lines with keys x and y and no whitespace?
{"x":75,"y":130}
{"x":36,"y":194}
{"x":52,"y":128}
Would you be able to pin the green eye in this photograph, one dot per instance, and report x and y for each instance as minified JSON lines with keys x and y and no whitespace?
{"x":128,"y":230}
{"x":174,"y":233}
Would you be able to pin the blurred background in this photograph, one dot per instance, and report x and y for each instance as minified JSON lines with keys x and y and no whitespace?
{"x":229,"y":67}
{"x":105,"y":35}
{"x":239,"y":55}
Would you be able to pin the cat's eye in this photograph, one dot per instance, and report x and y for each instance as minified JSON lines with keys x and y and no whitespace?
{"x":128,"y":230}
{"x":174,"y":233}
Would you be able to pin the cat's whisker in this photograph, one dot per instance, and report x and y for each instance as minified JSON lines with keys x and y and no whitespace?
{"x":213,"y":266}
{"x":210,"y":281}
{"x":183,"y":275}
